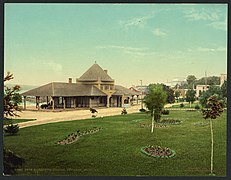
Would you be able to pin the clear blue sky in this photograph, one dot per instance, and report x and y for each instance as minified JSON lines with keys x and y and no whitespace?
{"x":154,"y":42}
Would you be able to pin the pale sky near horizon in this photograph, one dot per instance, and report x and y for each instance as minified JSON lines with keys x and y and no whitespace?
{"x":150,"y":42}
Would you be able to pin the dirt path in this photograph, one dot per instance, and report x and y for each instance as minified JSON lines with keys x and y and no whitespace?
{"x":44,"y":117}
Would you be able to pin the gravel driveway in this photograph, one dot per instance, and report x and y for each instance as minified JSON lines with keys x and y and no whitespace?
{"x":44,"y":117}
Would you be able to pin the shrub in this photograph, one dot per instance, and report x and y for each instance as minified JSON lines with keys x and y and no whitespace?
{"x":11,"y":162}
{"x":165,"y":112}
{"x":197,"y":107}
{"x":11,"y":129}
{"x":124,"y":111}
{"x":181,"y":105}
{"x":142,"y":110}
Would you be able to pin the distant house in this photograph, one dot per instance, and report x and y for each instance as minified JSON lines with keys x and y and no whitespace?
{"x":95,"y":88}
{"x":201,"y":88}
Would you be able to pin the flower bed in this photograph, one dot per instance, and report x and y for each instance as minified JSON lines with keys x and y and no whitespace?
{"x":201,"y":124}
{"x":158,"y":152}
{"x":170,"y":121}
{"x":75,"y":136}
{"x":156,"y":125}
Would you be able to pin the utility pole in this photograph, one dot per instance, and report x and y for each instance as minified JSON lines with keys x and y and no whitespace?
{"x":206,"y":79}
{"x":141,"y":95}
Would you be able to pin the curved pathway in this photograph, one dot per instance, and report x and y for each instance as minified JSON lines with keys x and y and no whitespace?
{"x":44,"y":117}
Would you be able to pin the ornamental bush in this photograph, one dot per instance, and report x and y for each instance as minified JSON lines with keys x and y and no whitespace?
{"x":197,"y":107}
{"x":11,"y":129}
{"x":11,"y":162}
{"x":166,"y":112}
{"x":124,"y":111}
{"x":142,"y":110}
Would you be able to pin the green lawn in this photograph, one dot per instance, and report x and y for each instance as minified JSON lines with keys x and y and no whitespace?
{"x":115,"y":150}
{"x":186,"y":105}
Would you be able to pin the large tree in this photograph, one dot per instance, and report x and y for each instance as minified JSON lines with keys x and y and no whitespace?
{"x":190,"y":96}
{"x":155,"y":100}
{"x":215,"y":108}
{"x":191,"y":80}
{"x":170,"y":94}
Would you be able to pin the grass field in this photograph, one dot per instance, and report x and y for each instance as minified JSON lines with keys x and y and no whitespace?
{"x":115,"y":150}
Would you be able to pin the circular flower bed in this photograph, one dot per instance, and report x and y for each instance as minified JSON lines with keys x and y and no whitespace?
{"x":158,"y":152}
{"x":170,"y":121}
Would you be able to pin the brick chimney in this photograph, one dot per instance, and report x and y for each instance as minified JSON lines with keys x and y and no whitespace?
{"x":105,"y":71}
{"x":69,"y":80}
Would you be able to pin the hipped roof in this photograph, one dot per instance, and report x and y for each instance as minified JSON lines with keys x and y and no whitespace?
{"x":95,"y":72}
{"x":73,"y":89}
{"x":120,"y":90}
{"x":64,"y":89}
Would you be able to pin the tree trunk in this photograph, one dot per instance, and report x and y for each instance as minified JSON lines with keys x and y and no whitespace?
{"x":152,"y":121}
{"x":212,"y":142}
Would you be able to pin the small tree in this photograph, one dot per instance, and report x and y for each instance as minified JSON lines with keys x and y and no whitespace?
{"x":190,"y":96}
{"x":177,"y":95}
{"x":155,"y":100}
{"x":12,"y":99}
{"x":215,"y":108}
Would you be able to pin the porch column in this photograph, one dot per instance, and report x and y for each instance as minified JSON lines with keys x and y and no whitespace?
{"x":132,"y":100}
{"x":37,"y":102}
{"x":89,"y":101}
{"x":108,"y":101}
{"x":137,"y":97}
{"x":75,"y":99}
{"x":64,"y":103}
{"x":53,"y":103}
{"x":122,"y":101}
{"x":24,"y":99}
{"x":47,"y":99}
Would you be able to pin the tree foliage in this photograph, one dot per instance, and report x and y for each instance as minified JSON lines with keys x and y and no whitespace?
{"x":213,"y":90}
{"x":214,"y":108}
{"x":211,"y":80}
{"x":224,"y":89}
{"x":11,"y":98}
{"x":170,"y":93}
{"x":155,"y":99}
{"x":190,"y":96}
{"x":191,"y":80}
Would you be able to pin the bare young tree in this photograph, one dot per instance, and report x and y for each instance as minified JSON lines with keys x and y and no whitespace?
{"x":215,"y":108}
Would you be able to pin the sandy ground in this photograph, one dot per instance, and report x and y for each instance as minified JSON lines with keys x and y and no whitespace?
{"x":44,"y":117}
